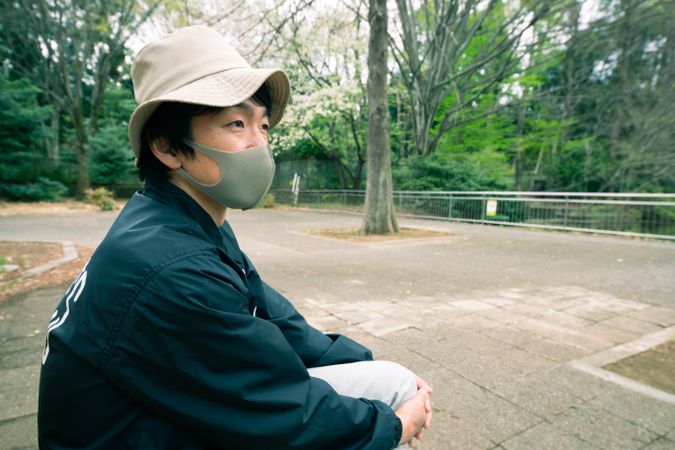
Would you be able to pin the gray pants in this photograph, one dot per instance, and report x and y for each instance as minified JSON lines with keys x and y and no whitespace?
{"x":386,"y":381}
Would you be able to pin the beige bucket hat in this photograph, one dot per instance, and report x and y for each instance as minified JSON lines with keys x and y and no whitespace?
{"x":196,"y":65}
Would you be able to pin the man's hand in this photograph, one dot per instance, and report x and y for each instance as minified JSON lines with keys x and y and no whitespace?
{"x":421,"y":384}
{"x":413,"y":415}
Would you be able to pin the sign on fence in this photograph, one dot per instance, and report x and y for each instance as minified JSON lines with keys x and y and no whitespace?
{"x":491,"y":208}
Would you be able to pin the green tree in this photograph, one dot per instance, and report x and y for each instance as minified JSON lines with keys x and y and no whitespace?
{"x":483,"y":145}
{"x":458,"y":49}
{"x":111,"y":159}
{"x":437,"y":173}
{"x":22,"y":130}
{"x":616,"y":90}
{"x":72,"y":50}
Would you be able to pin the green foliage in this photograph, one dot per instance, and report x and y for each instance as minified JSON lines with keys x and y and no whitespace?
{"x":43,"y":189}
{"x":577,"y":122}
{"x":112,"y":160}
{"x":300,"y":149}
{"x":111,"y":157}
{"x":74,"y":51}
{"x":21,"y":116}
{"x":22,"y":130}
{"x":483,"y":145}
{"x":100,"y":197}
{"x":118,"y":105}
{"x":437,"y":174}
{"x":489,"y":133}
{"x":578,"y":165}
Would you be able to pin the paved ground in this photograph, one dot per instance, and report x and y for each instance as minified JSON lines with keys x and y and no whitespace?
{"x":492,"y":317}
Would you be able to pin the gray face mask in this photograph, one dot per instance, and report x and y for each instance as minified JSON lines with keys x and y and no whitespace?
{"x":245,"y":176}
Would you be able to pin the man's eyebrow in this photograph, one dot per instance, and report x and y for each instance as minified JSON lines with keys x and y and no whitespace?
{"x":249,"y":107}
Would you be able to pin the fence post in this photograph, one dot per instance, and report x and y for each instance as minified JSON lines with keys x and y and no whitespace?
{"x":295,"y":189}
{"x":567,"y":208}
{"x":450,"y":206}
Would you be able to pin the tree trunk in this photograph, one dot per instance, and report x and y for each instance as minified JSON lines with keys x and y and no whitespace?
{"x":622,"y":85}
{"x":83,"y":182}
{"x":517,"y":158}
{"x":570,"y":68}
{"x":53,"y":134}
{"x":339,"y":172}
{"x":357,"y":174}
{"x":356,"y":181}
{"x":82,"y":170}
{"x":379,"y":215}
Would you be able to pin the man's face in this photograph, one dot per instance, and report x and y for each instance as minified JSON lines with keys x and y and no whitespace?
{"x":232,"y":129}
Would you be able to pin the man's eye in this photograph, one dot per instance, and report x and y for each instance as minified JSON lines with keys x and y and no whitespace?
{"x":265,"y":126}
{"x":237,"y":123}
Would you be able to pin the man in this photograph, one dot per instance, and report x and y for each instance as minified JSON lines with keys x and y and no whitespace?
{"x":169,"y":338}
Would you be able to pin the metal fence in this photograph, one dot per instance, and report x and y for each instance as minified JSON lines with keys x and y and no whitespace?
{"x":629,"y":214}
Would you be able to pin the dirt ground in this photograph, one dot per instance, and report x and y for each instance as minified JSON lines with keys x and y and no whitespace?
{"x":26,"y":208}
{"x":26,"y":255}
{"x":655,"y":367}
{"x":39,"y":208}
{"x":354,"y":234}
{"x":32,"y":254}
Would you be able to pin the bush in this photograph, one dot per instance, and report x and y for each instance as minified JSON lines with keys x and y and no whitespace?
{"x":437,"y":174}
{"x":43,"y":189}
{"x":267,"y":201}
{"x":498,"y":218}
{"x":100,"y":197}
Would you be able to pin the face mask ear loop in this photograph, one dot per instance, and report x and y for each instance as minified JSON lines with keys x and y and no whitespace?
{"x":190,"y":143}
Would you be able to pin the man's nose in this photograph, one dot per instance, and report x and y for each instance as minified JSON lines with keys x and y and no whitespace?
{"x":257,"y":137}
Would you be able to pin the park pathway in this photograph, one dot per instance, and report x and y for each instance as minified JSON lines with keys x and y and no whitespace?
{"x":497,"y":319}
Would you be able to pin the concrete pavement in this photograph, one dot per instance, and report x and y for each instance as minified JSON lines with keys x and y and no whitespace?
{"x":85,"y":229}
{"x":494,"y":318}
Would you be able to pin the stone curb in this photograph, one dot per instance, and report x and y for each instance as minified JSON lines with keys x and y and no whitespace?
{"x":69,"y":254}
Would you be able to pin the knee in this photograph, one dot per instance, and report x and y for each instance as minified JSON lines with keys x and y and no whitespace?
{"x":403,"y":381}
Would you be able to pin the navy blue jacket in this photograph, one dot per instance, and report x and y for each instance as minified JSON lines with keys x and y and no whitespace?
{"x":169,"y":339}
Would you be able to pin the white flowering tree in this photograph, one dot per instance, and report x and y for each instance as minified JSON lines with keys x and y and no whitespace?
{"x":325,"y":56}
{"x":330,"y":118}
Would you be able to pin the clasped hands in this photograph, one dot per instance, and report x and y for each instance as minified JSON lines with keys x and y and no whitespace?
{"x":415,"y":414}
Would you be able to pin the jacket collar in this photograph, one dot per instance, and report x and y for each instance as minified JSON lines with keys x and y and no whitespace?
{"x":173,"y":196}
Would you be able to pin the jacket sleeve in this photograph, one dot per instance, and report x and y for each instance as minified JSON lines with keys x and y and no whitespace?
{"x":312,"y":346}
{"x":188,"y":350}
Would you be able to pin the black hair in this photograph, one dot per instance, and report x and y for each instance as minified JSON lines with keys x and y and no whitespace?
{"x":171,"y":121}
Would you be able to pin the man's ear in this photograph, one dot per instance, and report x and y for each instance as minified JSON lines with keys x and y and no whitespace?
{"x":162,"y":150}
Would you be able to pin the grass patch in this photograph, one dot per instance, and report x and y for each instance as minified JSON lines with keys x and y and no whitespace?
{"x":654,"y":367}
{"x":354,"y":234}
